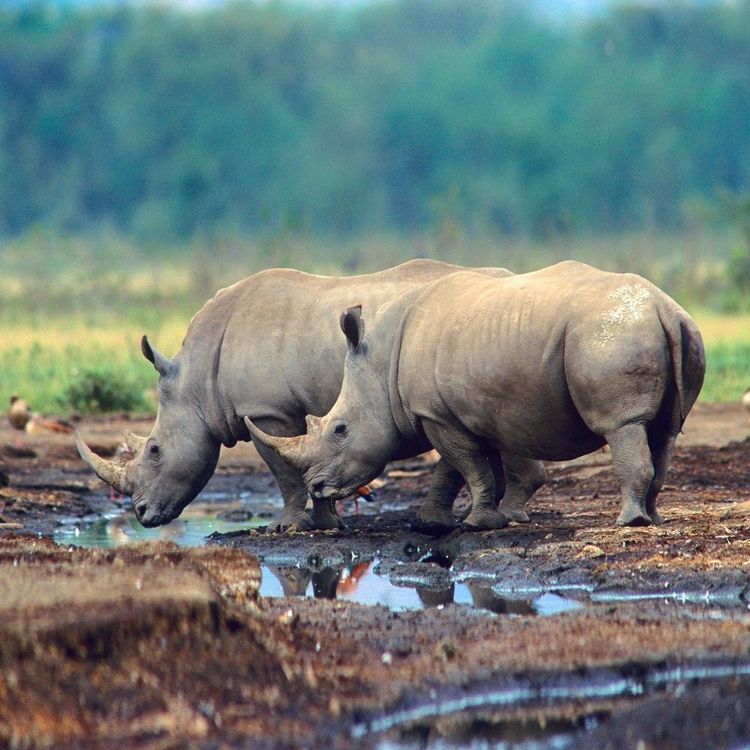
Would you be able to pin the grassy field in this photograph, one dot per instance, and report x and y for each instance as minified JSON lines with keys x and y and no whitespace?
{"x":727,"y":340}
{"x":52,"y":367}
{"x":71,"y":319}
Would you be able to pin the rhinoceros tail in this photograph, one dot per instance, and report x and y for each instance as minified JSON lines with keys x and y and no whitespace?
{"x":688,"y":357}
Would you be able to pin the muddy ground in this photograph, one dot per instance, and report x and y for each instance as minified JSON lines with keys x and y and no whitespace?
{"x":153,"y":645}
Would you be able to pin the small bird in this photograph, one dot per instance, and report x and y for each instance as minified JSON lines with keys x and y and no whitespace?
{"x":363,"y":492}
{"x":18,"y":415}
{"x":38,"y":423}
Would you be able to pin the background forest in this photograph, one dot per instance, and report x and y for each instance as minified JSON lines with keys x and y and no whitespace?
{"x":162,"y":124}
{"x":151,"y":154}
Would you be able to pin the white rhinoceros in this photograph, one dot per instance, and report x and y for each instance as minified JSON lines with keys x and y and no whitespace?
{"x":548,"y":365}
{"x":268,"y":347}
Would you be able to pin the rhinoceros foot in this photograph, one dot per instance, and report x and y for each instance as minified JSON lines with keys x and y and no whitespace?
{"x":289,"y":522}
{"x":515,"y":514}
{"x":324,"y":516}
{"x":656,"y":518}
{"x":633,"y":517}
{"x":484,"y":520}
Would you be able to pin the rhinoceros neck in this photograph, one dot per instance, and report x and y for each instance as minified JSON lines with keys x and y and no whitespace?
{"x":405,"y":420}
{"x":201,"y":354}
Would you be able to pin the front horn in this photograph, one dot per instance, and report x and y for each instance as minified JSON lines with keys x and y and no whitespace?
{"x":108,"y":471}
{"x":291,"y":449}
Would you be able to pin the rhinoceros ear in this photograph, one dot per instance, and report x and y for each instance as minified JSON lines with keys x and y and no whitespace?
{"x":353,"y":326}
{"x":160,"y":362}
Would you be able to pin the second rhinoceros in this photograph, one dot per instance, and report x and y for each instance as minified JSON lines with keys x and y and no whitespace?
{"x":268,"y":347}
{"x":547,"y":365}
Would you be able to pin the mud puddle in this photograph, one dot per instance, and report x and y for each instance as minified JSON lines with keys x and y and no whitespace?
{"x":362,"y":582}
{"x":421,"y":574}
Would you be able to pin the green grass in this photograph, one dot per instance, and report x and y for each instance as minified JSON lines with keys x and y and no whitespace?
{"x":727,"y":340}
{"x":51,"y":369}
{"x":727,"y":372}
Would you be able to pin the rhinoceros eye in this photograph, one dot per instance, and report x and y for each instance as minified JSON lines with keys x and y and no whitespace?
{"x":154,"y":450}
{"x":340,"y":429}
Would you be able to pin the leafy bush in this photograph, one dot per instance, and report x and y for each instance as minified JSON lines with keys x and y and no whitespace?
{"x":96,"y":391}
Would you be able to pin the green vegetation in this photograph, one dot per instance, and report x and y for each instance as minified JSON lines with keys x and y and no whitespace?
{"x":102,"y":390}
{"x":64,"y":379}
{"x":727,"y":371}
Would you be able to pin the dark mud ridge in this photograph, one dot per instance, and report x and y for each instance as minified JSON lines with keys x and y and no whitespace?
{"x":563,"y":633}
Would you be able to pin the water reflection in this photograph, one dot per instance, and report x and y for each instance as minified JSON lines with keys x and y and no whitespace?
{"x":189,"y":530}
{"x":357,"y":582}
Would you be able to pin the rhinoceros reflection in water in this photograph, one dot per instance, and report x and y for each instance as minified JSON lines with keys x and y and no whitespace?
{"x":267,"y":347}
{"x":547,"y":365}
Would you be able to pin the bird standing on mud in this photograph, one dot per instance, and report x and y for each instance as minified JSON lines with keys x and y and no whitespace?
{"x":23,"y":419}
{"x":18,"y":415}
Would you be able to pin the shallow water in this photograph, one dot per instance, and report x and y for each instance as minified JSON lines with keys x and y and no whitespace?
{"x":121,"y":527}
{"x":357,"y":582}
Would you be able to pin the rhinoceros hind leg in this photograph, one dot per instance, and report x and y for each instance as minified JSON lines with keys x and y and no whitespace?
{"x":435,"y":517}
{"x":465,"y":453}
{"x":634,"y":469}
{"x":662,"y":449}
{"x":523,"y":477}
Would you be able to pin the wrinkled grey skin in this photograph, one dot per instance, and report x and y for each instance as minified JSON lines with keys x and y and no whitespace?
{"x":548,"y":365}
{"x":267,"y":347}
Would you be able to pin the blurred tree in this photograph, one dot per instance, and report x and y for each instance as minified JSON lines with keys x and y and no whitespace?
{"x":277,"y":117}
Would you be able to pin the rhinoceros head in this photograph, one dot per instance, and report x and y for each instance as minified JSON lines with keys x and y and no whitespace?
{"x":350,"y":445}
{"x":170,"y":466}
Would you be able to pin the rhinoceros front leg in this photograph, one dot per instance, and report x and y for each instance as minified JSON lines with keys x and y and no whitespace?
{"x":523,"y":477}
{"x":466,"y":453}
{"x":436,"y":514}
{"x":634,"y":469}
{"x":324,"y":515}
{"x":294,"y":493}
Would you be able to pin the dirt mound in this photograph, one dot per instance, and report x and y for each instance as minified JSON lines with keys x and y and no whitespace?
{"x":119,"y":648}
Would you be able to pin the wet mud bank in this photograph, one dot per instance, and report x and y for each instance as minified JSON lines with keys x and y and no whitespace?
{"x":565,"y":632}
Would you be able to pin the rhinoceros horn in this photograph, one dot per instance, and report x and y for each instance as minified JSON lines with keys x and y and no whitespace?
{"x":108,"y":471}
{"x":292,"y":449}
{"x":134,"y":442}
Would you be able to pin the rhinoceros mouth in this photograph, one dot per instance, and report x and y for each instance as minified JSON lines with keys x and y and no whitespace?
{"x":150,"y":518}
{"x":322,"y":491}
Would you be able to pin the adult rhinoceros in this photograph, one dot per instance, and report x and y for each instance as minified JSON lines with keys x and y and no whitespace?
{"x":267,"y":347}
{"x":546,"y":365}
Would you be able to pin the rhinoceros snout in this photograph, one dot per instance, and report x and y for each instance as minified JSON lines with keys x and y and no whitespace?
{"x":146,"y":516}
